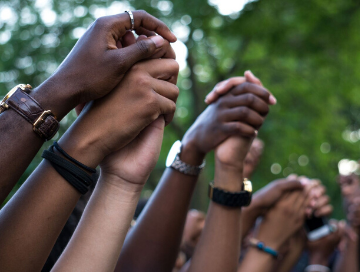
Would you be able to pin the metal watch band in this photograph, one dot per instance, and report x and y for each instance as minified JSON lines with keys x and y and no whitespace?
{"x":230,"y":199}
{"x":44,"y":122}
{"x":185,"y":168}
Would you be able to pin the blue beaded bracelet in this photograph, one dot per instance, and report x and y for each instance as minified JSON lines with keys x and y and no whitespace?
{"x":261,"y":246}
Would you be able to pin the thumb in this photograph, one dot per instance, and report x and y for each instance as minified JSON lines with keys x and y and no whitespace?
{"x":142,"y":49}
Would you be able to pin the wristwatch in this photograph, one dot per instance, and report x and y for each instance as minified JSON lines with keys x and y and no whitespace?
{"x":232,"y":199}
{"x":43,"y":121}
{"x":173,"y":161}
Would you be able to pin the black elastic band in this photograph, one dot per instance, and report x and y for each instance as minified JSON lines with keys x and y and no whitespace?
{"x":77,"y":177}
{"x":66,"y":155}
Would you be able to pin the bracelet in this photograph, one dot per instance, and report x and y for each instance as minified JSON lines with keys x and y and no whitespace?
{"x":261,"y":246}
{"x":317,"y":268}
{"x":76,"y":176}
{"x":66,"y":155}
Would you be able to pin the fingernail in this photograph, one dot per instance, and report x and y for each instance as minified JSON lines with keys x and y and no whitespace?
{"x":158,"y":40}
{"x":256,"y":132}
{"x":272,"y":100}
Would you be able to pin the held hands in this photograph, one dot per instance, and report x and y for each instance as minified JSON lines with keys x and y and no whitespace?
{"x":239,"y":112}
{"x":109,"y":123}
{"x":97,"y":63}
{"x":283,"y":220}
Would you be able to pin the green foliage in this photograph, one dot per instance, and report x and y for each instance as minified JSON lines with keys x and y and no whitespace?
{"x":305,"y":52}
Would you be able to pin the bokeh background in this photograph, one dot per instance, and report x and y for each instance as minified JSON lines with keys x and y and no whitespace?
{"x":306,"y":52}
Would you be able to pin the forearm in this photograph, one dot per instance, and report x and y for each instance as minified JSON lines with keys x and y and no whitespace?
{"x":219,"y":245}
{"x":32,"y":220}
{"x":249,"y":216}
{"x":102,"y":228}
{"x":257,"y":261}
{"x":17,"y":139}
{"x":158,"y":231}
{"x":347,"y":259}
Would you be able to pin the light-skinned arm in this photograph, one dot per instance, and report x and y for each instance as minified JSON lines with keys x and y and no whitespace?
{"x":106,"y":219}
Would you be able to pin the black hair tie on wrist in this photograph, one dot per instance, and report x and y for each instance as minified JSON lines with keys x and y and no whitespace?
{"x":66,"y":155}
{"x":72,"y":173}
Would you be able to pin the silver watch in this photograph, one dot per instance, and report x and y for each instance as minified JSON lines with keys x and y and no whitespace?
{"x":173,"y":161}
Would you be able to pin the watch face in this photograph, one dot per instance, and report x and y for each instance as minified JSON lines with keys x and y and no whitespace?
{"x":175,"y":149}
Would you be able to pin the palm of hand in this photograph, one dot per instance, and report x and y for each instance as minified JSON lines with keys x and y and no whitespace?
{"x":135,"y":161}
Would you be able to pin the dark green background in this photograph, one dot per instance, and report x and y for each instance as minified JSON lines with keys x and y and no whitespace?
{"x":306,"y":52}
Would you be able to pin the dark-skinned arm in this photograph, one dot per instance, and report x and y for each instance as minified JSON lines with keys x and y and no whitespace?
{"x":157,"y":233}
{"x":91,"y":70}
{"x":34,"y":217}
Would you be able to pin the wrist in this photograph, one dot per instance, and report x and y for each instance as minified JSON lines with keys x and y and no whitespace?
{"x":116,"y":185}
{"x":230,"y":179}
{"x":54,"y":95}
{"x":190,"y":154}
{"x":81,"y":148}
{"x":318,"y":258}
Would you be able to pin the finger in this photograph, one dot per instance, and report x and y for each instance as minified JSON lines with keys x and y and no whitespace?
{"x":167,"y":108}
{"x":121,"y":23}
{"x":128,"y":39}
{"x":145,"y":32}
{"x":250,"y":77}
{"x":324,"y":211}
{"x":322,"y":201}
{"x":244,"y":115}
{"x":126,"y":57}
{"x":237,"y":128}
{"x":290,"y":185}
{"x":165,"y":89}
{"x":167,"y":52}
{"x":251,"y":88}
{"x":165,"y":69}
{"x":222,"y":88}
{"x":249,"y":100}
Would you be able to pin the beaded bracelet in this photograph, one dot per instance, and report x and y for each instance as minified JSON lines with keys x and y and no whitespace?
{"x":261,"y":246}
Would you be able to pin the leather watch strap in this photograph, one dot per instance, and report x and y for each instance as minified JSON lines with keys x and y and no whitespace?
{"x":44,"y":122}
{"x":230,"y":199}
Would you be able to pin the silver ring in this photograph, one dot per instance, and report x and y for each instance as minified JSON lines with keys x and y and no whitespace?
{"x":131,"y":19}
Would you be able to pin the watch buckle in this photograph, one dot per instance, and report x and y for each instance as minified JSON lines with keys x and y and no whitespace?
{"x":247,"y":185}
{"x":211,"y":190}
{"x":41,"y":120}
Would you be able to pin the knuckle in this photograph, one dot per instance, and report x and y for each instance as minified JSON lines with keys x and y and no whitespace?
{"x":249,"y":98}
{"x":100,"y":22}
{"x":143,"y":81}
{"x":243,"y":112}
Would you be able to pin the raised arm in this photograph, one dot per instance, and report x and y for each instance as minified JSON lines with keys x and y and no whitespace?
{"x":157,"y":234}
{"x":34,"y":217}
{"x":106,"y":219}
{"x":91,"y":70}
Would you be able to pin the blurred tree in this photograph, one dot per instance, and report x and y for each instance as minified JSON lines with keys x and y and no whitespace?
{"x":306,"y":53}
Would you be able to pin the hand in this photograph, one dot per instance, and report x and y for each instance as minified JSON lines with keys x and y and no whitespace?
{"x":239,"y":112}
{"x":134,"y":163}
{"x":267,"y":196}
{"x":108,"y":124}
{"x":283,"y":220}
{"x":97,"y":63}
{"x":253,"y":157}
{"x":320,"y":250}
{"x":224,"y":86}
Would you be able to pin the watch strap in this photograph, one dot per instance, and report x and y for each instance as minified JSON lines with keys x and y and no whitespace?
{"x":185,"y":168}
{"x":44,"y":122}
{"x":230,"y":199}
